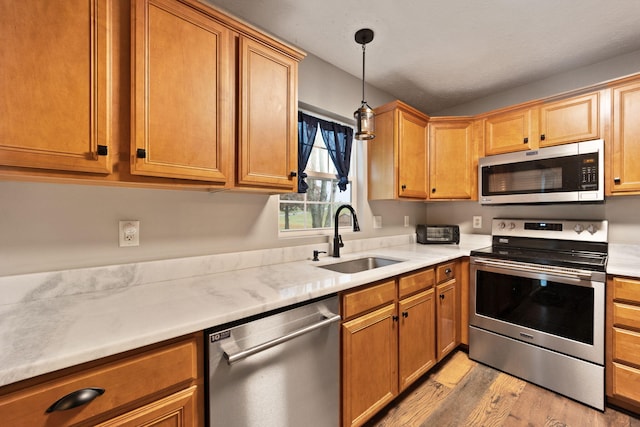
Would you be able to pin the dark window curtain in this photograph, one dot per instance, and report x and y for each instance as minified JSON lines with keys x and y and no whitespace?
{"x":307,"y":128}
{"x":338,"y":140}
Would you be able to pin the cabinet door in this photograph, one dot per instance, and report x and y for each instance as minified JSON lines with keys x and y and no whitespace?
{"x":182,"y":110}
{"x":267,"y":149}
{"x":570,"y":120}
{"x":412,"y":156}
{"x":511,"y":131}
{"x":625,"y":159}
{"x":447,"y":318}
{"x":417,"y":343}
{"x":452,"y":160}
{"x":54,"y":63}
{"x":369,"y":364}
{"x":177,"y":410}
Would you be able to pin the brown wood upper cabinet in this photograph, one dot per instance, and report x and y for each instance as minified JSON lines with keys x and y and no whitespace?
{"x":55,"y":84}
{"x":185,"y":94}
{"x":213,"y":101}
{"x":182,"y":122}
{"x":510,"y":131}
{"x":268,"y":138}
{"x":453,"y":158}
{"x":624,"y":153}
{"x":570,"y":120}
{"x":397,"y":157}
{"x":543,"y":124}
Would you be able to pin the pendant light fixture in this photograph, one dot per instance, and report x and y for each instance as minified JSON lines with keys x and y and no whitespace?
{"x":364,"y":115}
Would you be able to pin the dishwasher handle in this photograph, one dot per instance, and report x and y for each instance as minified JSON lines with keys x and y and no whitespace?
{"x":233,"y":358}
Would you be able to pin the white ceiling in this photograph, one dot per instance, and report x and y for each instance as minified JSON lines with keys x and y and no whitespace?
{"x":434,"y":54}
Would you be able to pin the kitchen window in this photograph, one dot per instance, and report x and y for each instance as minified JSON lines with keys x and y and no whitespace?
{"x":313,"y":212}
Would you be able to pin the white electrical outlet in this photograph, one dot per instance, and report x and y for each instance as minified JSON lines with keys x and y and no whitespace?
{"x":477,"y":222}
{"x":406,"y":220}
{"x":129,"y":233}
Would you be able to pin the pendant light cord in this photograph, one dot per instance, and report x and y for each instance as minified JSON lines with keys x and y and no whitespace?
{"x":363,"y":55}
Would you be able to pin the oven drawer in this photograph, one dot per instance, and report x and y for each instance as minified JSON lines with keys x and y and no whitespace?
{"x":363,"y":300}
{"x":415,"y":282}
{"x":445,"y":272}
{"x":626,"y":382}
{"x":625,"y":346}
{"x":626,"y":315}
{"x":626,"y":290}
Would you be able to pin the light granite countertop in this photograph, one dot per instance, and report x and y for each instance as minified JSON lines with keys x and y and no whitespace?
{"x":60,"y":319}
{"x":54,"y":320}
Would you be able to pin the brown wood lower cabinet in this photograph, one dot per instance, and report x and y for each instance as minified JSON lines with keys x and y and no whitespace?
{"x":369,"y":360}
{"x":417,"y":339}
{"x":623,"y":341}
{"x":389,"y":337}
{"x":156,"y":386}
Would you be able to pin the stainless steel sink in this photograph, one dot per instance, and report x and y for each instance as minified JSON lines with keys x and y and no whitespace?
{"x":360,"y":264}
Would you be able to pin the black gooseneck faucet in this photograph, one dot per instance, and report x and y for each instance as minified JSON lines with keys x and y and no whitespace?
{"x":337,"y":239}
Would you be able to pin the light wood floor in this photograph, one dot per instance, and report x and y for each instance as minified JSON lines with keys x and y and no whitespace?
{"x":462,"y":392}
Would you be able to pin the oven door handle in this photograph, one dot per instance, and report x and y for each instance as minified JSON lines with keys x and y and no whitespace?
{"x":546,"y":269}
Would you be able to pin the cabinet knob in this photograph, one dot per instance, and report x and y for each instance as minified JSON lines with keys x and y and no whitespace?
{"x":395,"y":318}
{"x":526,"y":141}
{"x":542,"y":137}
{"x":441,"y":296}
{"x":433,"y":190}
{"x":404,"y":187}
{"x":616,"y":180}
{"x":293,"y":174}
{"x":141,"y":153}
{"x":405,"y":314}
{"x":447,"y":271}
{"x":75,"y":399}
{"x":103,"y":150}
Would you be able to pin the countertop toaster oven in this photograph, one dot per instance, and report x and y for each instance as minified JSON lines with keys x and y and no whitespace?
{"x":427,"y":234}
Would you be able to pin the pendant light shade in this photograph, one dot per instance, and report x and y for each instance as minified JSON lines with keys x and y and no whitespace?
{"x":365,"y":120}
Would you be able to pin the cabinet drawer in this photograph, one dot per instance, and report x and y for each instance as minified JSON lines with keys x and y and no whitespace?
{"x":625,"y":346}
{"x":415,"y":282}
{"x":124,"y":381}
{"x":626,"y":382}
{"x":626,"y":289}
{"x":363,"y":300}
{"x":445,"y":272}
{"x":626,"y":315}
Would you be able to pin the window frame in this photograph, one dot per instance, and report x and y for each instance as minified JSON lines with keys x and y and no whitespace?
{"x":325,"y":231}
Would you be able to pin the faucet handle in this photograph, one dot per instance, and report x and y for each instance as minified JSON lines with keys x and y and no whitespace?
{"x":340,"y":241}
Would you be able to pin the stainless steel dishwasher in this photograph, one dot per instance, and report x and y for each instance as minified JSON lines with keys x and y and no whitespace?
{"x":281,"y":369}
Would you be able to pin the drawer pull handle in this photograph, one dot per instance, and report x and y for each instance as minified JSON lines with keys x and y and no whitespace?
{"x":76,"y":398}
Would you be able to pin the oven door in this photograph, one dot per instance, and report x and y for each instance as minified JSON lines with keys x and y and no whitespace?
{"x":560,"y":309}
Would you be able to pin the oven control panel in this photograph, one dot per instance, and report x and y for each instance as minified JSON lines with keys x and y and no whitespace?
{"x":583,"y":230}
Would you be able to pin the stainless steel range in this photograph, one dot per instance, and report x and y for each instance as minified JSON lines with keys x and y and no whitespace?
{"x":538,"y":301}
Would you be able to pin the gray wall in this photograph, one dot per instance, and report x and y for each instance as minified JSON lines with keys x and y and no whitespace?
{"x":622,"y":213}
{"x":58,"y":226}
{"x":610,"y":69}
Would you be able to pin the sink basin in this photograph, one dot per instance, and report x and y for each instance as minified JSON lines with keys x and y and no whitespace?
{"x":360,"y":264}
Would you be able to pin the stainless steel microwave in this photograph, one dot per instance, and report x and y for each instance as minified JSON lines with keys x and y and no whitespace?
{"x":558,"y":174}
